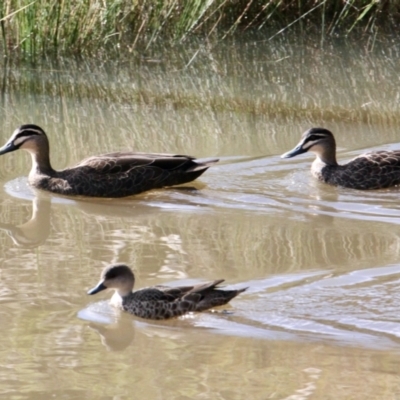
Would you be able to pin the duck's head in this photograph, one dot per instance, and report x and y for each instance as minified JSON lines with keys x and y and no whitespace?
{"x":119,"y":277}
{"x":28,"y":137}
{"x":319,"y":141}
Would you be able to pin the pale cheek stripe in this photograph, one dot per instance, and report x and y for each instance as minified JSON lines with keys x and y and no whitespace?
{"x":307,"y":145}
{"x":19,"y":141}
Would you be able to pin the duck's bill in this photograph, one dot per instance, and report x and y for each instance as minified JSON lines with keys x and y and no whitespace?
{"x":7,"y":148}
{"x":295,"y":152}
{"x":97,"y":288}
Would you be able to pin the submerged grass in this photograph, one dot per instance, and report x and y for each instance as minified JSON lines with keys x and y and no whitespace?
{"x":302,"y":81}
{"x":33,"y":29}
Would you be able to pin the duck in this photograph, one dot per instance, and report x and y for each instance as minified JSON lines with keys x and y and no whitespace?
{"x":160,"y":302}
{"x":369,"y":171}
{"x":108,"y":175}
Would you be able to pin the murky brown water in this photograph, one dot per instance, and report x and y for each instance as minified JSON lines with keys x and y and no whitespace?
{"x":320,"y":319}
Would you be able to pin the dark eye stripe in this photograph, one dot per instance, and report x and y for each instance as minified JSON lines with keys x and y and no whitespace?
{"x":29,"y":132}
{"x":315,"y":137}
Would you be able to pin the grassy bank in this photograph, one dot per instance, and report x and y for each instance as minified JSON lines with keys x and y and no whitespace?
{"x":35,"y":28}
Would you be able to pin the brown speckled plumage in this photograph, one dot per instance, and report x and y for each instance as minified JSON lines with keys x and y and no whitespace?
{"x":108,"y":175}
{"x":160,"y":302}
{"x":376,"y":170}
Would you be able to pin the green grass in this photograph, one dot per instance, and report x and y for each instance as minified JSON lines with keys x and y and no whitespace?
{"x":107,"y":28}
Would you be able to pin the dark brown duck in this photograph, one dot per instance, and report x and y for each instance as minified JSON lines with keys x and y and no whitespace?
{"x":107,"y":175}
{"x":160,"y":302}
{"x":375,"y":170}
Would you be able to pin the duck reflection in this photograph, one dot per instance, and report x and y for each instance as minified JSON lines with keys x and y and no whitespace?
{"x":117,"y":336}
{"x":121,"y":332}
{"x":34,"y":232}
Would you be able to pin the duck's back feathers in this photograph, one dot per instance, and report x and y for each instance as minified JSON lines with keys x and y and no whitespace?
{"x":126,"y":160}
{"x":161,"y":302}
{"x":125,"y":174}
{"x":377,"y":170}
{"x":208,"y":295}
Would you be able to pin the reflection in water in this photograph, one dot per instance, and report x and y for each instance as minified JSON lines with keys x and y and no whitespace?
{"x":34,"y":232}
{"x":117,"y":336}
{"x":325,"y":307}
{"x":184,"y":231}
{"x":321,"y":262}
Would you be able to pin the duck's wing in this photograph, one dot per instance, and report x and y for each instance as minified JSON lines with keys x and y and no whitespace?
{"x":162,"y":302}
{"x":377,"y":170}
{"x":208,"y":295}
{"x":379,"y":159}
{"x":126,"y":174}
{"x":161,"y":293}
{"x":169,"y":294}
{"x":116,"y":163}
{"x":198,"y":292}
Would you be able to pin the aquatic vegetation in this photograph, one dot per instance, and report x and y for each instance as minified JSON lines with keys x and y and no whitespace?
{"x":35,"y":28}
{"x":258,"y":78}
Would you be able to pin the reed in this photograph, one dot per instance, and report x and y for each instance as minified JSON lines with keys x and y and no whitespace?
{"x":108,"y":28}
{"x":288,"y":79}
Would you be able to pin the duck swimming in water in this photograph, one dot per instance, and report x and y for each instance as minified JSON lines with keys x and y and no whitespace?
{"x":160,"y":302}
{"x":108,"y":175}
{"x":375,"y":170}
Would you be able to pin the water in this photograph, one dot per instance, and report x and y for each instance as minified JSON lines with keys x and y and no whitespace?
{"x":320,"y":317}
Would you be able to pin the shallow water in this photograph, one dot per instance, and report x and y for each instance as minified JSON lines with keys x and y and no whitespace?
{"x":320,"y":317}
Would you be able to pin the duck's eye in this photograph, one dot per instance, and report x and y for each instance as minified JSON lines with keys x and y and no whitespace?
{"x":313,"y":138}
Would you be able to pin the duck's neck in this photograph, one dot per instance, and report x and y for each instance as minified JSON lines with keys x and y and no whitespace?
{"x":124,"y":292}
{"x":320,"y":163}
{"x":327,"y":159}
{"x":326,"y":151}
{"x":116,"y":299}
{"x":119,"y":297}
{"x":41,"y":163}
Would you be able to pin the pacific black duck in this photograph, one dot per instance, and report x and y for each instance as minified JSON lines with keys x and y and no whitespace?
{"x":160,"y":302}
{"x":107,"y":175}
{"x":376,"y":170}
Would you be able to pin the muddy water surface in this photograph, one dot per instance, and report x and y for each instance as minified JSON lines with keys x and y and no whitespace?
{"x":320,"y":318}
